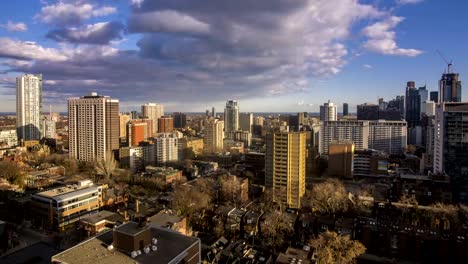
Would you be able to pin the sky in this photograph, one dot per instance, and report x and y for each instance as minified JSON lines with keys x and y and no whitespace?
{"x":190,"y":55}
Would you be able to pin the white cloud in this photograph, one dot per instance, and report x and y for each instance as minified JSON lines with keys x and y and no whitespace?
{"x":63,"y":13}
{"x":382,"y":38}
{"x":367,"y":66}
{"x":405,"y":2}
{"x":15,"y":27}
{"x":28,"y":50}
{"x":217,"y":48}
{"x":136,"y":3}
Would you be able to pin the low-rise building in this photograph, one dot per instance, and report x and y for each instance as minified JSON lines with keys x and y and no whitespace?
{"x":101,"y":221}
{"x":168,"y":175}
{"x":60,"y":207}
{"x":169,"y":219}
{"x":9,"y":136}
{"x":134,"y":243}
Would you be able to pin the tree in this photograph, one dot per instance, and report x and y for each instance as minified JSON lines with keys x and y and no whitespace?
{"x":276,"y":226}
{"x":106,"y":167}
{"x":329,"y":197}
{"x":11,"y":172}
{"x":188,"y":200}
{"x":231,"y":190}
{"x":332,"y":248}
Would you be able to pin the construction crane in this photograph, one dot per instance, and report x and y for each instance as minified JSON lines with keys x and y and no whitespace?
{"x":449,"y":63}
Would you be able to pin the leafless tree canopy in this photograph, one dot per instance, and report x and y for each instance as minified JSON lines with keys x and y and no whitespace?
{"x":106,"y":167}
{"x":332,"y":248}
{"x":329,"y":197}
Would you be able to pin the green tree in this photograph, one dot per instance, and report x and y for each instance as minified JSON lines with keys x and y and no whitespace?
{"x":332,"y":248}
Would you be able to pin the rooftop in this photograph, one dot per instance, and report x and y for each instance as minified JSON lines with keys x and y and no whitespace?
{"x":161,"y":170}
{"x":95,"y":250}
{"x":67,"y":192}
{"x":164,"y":218}
{"x":102,"y":215}
{"x":38,"y":253}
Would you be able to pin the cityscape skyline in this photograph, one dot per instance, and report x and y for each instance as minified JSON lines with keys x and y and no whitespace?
{"x":89,"y":52}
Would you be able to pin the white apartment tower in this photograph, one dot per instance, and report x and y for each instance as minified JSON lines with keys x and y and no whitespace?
{"x":388,"y":136}
{"x":153,"y":111}
{"x":231,"y":116}
{"x":93,"y":127}
{"x":214,"y":136}
{"x":29,"y":106}
{"x":166,"y":148}
{"x":356,"y":131}
{"x":328,"y":112}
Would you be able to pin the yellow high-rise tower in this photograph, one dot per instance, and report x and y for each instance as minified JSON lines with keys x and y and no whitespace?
{"x":285,"y":167}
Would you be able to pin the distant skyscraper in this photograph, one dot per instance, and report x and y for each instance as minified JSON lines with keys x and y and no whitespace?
{"x":29,"y":106}
{"x":135,"y":115}
{"x":180,"y":120}
{"x":450,"y":88}
{"x":398,"y":105}
{"x":434,"y":96}
{"x":246,"y":122}
{"x":123,"y":120}
{"x":345,"y":109}
{"x":382,"y":104}
{"x":165,"y":124}
{"x":213,"y":112}
{"x":423,"y":95}
{"x":137,"y":132}
{"x":93,"y":123}
{"x":413,"y":105}
{"x":231,"y":116}
{"x":285,"y":166}
{"x":368,"y":112}
{"x":241,"y":136}
{"x":152,"y":111}
{"x":328,"y":112}
{"x":428,"y":108}
{"x":451,"y":144}
{"x":48,"y":127}
{"x":213,"y":136}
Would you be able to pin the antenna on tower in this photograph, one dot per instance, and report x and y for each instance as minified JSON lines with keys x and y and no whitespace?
{"x":449,"y":63}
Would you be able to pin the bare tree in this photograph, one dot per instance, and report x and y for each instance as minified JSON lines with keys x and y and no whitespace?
{"x":189,"y":200}
{"x":106,"y":167}
{"x":329,"y":197}
{"x":332,"y":248}
{"x":231,"y":190}
{"x":276,"y":226}
{"x":11,"y":172}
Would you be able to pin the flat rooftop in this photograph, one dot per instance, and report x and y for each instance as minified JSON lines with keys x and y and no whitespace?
{"x":102,"y":215}
{"x":38,"y":253}
{"x":164,"y":219}
{"x":170,"y":246}
{"x":66,"y":192}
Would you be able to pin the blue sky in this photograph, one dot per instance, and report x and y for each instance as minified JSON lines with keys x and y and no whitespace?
{"x":271,"y":55}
